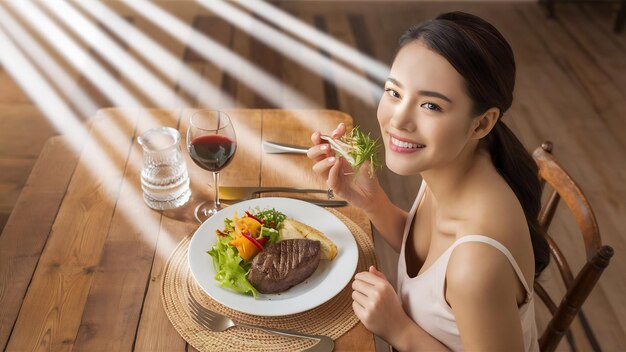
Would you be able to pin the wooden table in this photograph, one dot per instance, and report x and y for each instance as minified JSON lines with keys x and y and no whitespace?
{"x":81,"y":257}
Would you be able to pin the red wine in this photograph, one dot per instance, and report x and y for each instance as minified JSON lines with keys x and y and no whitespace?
{"x":212,"y":152}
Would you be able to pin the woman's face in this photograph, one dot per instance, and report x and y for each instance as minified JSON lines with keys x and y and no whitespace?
{"x":424,"y":113}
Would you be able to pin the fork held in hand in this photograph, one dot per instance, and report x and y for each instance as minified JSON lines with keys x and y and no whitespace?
{"x":280,"y":148}
{"x":340,"y":147}
{"x":216,"y":322}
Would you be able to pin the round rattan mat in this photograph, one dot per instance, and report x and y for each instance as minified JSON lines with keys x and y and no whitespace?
{"x":333,"y":318}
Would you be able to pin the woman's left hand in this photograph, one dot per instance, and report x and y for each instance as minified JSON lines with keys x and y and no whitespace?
{"x":376,"y":304}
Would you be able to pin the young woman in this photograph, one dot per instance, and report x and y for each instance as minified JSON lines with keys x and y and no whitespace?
{"x":471,"y":245}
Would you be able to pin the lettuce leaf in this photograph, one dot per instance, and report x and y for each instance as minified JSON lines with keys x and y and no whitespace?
{"x":364,"y":148}
{"x":230,"y":269}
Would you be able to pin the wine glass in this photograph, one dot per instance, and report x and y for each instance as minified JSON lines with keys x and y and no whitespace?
{"x":212,"y":143}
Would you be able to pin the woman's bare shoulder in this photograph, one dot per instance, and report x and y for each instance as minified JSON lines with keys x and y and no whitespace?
{"x":477,"y":266}
{"x":492,"y":209}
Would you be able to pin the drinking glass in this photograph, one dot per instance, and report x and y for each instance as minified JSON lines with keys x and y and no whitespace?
{"x":164,"y":177}
{"x":212,"y":143}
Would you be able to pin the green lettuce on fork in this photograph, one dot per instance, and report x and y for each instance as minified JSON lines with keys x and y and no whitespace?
{"x":362,"y":147}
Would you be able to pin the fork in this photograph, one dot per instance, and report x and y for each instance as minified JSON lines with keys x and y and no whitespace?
{"x":216,"y":322}
{"x":338,"y":145}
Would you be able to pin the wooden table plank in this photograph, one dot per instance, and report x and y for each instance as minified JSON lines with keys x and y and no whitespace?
{"x":291,"y":170}
{"x":23,"y":239}
{"x":114,"y":304}
{"x":245,"y":169}
{"x":53,"y":306}
{"x":155,"y":332}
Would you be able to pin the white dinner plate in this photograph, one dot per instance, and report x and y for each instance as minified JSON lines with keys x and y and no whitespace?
{"x":328,"y":280}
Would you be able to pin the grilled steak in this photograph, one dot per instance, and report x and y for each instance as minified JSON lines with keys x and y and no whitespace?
{"x":284,"y":264}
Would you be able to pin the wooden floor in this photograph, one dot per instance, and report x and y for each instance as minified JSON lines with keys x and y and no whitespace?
{"x":571,"y":88}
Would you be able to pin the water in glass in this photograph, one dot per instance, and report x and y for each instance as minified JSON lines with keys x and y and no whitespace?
{"x":164,"y":177}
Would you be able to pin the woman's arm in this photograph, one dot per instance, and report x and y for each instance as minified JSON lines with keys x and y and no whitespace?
{"x":388,"y":219}
{"x":481,"y":288}
{"x":378,"y":307}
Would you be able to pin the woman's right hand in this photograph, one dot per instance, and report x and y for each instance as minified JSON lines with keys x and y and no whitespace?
{"x":357,"y":187}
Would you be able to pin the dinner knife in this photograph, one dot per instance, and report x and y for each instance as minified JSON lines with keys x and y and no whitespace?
{"x":243,"y":193}
{"x":232,"y":193}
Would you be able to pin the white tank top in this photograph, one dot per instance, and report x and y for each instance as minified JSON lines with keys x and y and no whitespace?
{"x":423,"y":295}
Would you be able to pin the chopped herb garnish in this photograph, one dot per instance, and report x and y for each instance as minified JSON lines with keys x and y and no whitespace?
{"x":271,"y":218}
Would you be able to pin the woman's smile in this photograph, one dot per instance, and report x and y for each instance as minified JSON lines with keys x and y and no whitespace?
{"x":400,"y":145}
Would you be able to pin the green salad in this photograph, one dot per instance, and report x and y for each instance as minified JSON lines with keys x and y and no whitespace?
{"x":363,"y":148}
{"x":239,"y":242}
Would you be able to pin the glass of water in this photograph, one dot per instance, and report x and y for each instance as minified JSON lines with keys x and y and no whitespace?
{"x":164,"y":177}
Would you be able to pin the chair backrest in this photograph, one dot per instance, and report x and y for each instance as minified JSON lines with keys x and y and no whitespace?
{"x":580,"y":285}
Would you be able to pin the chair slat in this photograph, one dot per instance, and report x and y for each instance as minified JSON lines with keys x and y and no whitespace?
{"x":572,"y":195}
{"x":549,"y":209}
{"x":561,"y":262}
{"x":598,"y":256}
{"x":545,"y":297}
{"x":574,"y":298}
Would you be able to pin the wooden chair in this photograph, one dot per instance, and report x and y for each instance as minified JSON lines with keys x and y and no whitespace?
{"x":598,"y":256}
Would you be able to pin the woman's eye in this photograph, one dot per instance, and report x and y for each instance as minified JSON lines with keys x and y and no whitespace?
{"x":392,"y":92}
{"x":431,"y":106}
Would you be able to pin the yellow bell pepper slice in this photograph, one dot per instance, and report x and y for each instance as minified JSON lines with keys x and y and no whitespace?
{"x":247,"y":250}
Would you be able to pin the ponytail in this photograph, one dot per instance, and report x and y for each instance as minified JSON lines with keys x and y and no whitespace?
{"x":520,"y":171}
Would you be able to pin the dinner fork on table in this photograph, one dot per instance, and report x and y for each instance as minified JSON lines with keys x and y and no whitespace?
{"x":216,"y":322}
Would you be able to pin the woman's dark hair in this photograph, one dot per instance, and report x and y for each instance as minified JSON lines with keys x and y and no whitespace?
{"x":478,"y":51}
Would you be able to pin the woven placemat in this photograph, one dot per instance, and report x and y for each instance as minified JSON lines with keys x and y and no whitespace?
{"x":333,"y":318}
